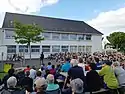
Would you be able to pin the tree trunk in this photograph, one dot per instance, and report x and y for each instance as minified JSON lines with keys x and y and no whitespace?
{"x":29,"y":46}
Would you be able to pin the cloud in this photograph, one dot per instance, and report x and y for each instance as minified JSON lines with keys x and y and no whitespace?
{"x":23,"y":6}
{"x":110,"y":21}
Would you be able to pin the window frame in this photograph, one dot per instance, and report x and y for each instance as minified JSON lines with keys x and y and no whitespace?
{"x":48,"y":36}
{"x":56,"y":48}
{"x":35,"y":48}
{"x":64,"y":37}
{"x":46,"y":48}
{"x":24,"y":47}
{"x":90,"y":50}
{"x":88,"y":37}
{"x":57,"y":35}
{"x":81,"y":37}
{"x":82,"y":49}
{"x":12,"y":48}
{"x":73,"y":48}
{"x":67,"y":48}
{"x":73,"y":35}
{"x":7,"y":36}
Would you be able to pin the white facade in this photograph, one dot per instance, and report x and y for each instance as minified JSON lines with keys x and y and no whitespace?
{"x":54,"y":42}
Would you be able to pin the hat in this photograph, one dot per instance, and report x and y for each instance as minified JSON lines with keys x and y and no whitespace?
{"x":11,"y":82}
{"x":77,"y":85}
{"x":40,"y":82}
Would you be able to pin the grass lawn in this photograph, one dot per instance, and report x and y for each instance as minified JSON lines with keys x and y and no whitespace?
{"x":2,"y":75}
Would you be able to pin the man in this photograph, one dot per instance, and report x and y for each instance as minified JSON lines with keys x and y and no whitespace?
{"x":27,"y":82}
{"x":76,"y":72}
{"x":93,"y":80}
{"x":40,"y":86}
{"x":66,"y":66}
{"x":41,"y":57}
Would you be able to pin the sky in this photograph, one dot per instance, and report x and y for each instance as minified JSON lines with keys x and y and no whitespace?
{"x":107,"y":16}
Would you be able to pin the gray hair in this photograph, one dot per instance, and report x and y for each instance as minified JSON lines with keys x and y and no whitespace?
{"x":77,"y":85}
{"x":11,"y":82}
{"x":50,"y":78}
{"x":116,"y":63}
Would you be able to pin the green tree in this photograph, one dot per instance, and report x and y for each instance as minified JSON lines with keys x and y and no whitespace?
{"x":27,"y":34}
{"x":117,"y":40}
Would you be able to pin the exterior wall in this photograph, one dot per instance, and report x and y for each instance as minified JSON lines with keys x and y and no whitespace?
{"x":95,"y":42}
{"x":3,"y":49}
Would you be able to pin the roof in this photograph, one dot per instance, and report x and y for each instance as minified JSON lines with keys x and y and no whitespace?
{"x":49,"y":23}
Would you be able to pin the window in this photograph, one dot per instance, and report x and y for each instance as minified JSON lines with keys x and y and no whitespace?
{"x":23,"y":48}
{"x":64,"y":36}
{"x":55,"y":36}
{"x":47,"y":36}
{"x":55,"y":48}
{"x":64,"y":48}
{"x":88,"y":49}
{"x":45,"y":48}
{"x":81,"y":37}
{"x":73,"y":48}
{"x":10,"y":24}
{"x":11,"y":49}
{"x":9,"y":34}
{"x":88,"y":37}
{"x":35,"y":49}
{"x":73,"y":37}
{"x":81,"y":48}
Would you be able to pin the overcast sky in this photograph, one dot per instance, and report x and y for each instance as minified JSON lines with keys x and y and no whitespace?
{"x":105,"y":15}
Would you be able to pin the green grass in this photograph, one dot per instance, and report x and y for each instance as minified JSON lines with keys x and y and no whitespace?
{"x":2,"y":75}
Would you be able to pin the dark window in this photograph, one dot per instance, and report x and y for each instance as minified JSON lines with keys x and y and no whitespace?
{"x":88,"y":37}
{"x":11,"y":48}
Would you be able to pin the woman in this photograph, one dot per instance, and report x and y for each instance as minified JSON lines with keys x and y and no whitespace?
{"x":109,"y":77}
{"x":52,"y":88}
{"x":120,"y":74}
{"x":11,"y":87}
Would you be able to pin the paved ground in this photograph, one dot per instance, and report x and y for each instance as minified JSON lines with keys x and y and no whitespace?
{"x":33,"y":62}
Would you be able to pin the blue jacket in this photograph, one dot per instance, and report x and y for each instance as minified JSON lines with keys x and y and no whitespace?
{"x":66,"y":67}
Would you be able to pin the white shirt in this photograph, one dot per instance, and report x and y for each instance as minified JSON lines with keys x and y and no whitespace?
{"x":32,"y":73}
{"x":82,"y":65}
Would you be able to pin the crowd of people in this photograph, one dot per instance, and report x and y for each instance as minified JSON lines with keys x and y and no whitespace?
{"x":85,"y":73}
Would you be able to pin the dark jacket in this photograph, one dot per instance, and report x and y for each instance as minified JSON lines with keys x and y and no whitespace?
{"x":76,"y":72}
{"x":93,"y":81}
{"x":42,"y":56}
{"x":12,"y":91}
{"x":27,"y":83}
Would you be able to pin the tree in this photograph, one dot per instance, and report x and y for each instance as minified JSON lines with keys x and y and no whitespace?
{"x":117,"y":40}
{"x":27,"y":34}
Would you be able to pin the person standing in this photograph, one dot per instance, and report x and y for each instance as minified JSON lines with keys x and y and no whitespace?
{"x":33,"y":72}
{"x":41,"y":58}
